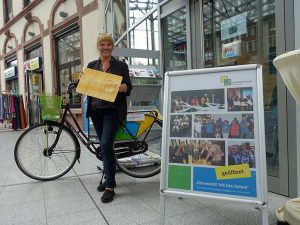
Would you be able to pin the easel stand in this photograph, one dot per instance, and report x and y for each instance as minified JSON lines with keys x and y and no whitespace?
{"x":262,"y":206}
{"x":239,"y":181}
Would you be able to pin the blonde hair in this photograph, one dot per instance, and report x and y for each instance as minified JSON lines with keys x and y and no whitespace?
{"x":105,"y":37}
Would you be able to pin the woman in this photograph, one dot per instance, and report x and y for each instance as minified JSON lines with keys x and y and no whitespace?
{"x":106,"y":116}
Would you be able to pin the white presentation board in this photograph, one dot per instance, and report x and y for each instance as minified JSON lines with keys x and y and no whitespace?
{"x":213,"y":134}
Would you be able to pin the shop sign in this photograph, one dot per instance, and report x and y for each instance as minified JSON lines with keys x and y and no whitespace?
{"x":35,"y":63}
{"x":32,"y":64}
{"x":234,"y":26}
{"x":10,"y":72}
{"x":231,"y":50}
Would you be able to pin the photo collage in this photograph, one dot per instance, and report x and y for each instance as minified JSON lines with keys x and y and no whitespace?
{"x":212,"y":127}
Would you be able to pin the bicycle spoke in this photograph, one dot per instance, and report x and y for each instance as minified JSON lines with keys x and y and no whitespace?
{"x":29,"y":152}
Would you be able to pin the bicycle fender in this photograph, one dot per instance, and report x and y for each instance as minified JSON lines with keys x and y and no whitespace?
{"x":78,"y":149}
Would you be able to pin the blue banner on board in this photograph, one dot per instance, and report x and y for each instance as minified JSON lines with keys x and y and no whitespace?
{"x":205,"y":180}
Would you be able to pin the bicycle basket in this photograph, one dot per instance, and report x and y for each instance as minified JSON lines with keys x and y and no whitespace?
{"x":50,"y":106}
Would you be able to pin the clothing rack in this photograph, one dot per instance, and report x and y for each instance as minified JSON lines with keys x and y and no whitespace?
{"x":12,"y":112}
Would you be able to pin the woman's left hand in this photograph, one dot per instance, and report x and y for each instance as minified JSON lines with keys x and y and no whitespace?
{"x":122,"y":88}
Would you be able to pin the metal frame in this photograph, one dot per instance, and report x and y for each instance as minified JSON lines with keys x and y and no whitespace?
{"x":261,"y":201}
{"x":297,"y":46}
{"x":197,"y":39}
{"x":128,"y":52}
{"x":281,"y":184}
{"x":292,"y":117}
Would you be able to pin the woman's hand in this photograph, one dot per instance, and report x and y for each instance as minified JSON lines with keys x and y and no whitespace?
{"x":122,"y":88}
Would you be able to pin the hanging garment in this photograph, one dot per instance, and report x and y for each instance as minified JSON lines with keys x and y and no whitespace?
{"x":22,"y":113}
{"x":1,"y":109}
{"x":17,"y":110}
{"x":12,"y":104}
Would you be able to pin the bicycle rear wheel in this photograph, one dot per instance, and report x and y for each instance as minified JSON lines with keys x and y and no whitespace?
{"x":34,"y":160}
{"x":146,"y":164}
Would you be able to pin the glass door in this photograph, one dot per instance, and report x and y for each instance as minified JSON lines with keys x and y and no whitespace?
{"x":35,"y":88}
{"x":244,"y":32}
{"x":174,"y":40}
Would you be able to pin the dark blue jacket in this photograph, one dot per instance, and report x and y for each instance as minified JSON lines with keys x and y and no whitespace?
{"x":118,"y":68}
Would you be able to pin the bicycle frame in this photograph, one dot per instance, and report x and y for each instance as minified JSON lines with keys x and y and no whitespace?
{"x":90,"y":145}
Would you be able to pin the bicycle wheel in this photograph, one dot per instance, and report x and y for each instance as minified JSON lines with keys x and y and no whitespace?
{"x":35,"y":161}
{"x":146,"y":164}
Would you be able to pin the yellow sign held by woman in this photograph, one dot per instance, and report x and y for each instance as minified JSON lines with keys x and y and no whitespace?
{"x":99,"y":84}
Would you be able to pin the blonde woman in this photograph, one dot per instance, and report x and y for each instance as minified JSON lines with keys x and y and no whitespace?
{"x":106,"y":116}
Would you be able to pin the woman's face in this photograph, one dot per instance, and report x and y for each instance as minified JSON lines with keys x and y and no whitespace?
{"x":105,"y":49}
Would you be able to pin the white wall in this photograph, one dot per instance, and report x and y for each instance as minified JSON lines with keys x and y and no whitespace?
{"x":1,"y":18}
{"x":17,"y":7}
{"x":297,"y":46}
{"x":47,"y":64}
{"x":90,"y":32}
{"x":2,"y":81}
{"x":40,"y":12}
{"x":21,"y":78}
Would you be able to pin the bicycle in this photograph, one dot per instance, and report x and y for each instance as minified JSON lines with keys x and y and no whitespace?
{"x":49,"y":150}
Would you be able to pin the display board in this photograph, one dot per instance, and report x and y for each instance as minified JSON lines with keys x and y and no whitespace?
{"x":213,"y":134}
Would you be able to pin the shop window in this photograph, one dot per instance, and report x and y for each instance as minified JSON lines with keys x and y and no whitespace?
{"x":8,"y":14}
{"x":120,"y":25}
{"x":12,"y":83}
{"x":139,"y":8}
{"x":231,"y":30}
{"x":109,"y":19}
{"x":174,"y":41}
{"x":145,"y":35}
{"x":69,"y":65}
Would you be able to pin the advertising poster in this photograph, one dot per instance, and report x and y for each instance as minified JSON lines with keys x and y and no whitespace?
{"x":213,"y":146}
{"x":231,"y":50}
{"x":234,"y":26}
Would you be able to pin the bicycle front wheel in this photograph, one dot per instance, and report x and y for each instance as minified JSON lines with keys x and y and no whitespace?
{"x":148,"y":163}
{"x":34,"y":158}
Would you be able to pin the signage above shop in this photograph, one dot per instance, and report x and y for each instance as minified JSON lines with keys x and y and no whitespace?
{"x":234,"y":26}
{"x":33,"y":64}
{"x":10,"y":73}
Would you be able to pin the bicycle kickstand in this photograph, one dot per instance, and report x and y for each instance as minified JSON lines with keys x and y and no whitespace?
{"x":103,"y":176}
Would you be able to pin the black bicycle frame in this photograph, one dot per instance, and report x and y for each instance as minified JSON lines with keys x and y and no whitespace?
{"x":84,"y":138}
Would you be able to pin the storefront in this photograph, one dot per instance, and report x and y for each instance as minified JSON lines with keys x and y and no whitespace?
{"x":214,"y":33}
{"x":67,"y":44}
{"x":11,"y":76}
{"x":34,"y":87}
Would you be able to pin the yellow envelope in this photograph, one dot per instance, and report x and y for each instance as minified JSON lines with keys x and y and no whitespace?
{"x":99,"y":84}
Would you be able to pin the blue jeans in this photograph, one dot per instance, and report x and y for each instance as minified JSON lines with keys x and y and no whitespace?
{"x":106,"y":123}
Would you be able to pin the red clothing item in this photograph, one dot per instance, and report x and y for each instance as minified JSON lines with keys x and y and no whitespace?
{"x":22,"y":114}
{"x":235,"y":130}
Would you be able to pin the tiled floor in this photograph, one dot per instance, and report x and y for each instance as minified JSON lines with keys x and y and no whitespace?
{"x":74,"y":200}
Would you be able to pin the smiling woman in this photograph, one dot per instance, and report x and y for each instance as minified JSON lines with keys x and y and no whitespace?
{"x":106,"y":116}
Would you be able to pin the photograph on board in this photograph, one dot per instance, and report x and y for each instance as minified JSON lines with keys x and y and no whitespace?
{"x":208,"y":152}
{"x":224,"y":126}
{"x":180,"y":151}
{"x":199,"y":152}
{"x":197,"y":100}
{"x":241,"y":153}
{"x":240,"y":99}
{"x":181,"y":126}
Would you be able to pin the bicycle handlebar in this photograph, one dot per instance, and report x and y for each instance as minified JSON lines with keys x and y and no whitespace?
{"x":71,"y":87}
